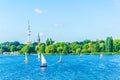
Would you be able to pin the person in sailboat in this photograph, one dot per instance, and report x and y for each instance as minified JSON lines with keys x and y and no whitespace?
{"x":80,"y":55}
{"x":43,"y":61}
{"x":26,"y":59}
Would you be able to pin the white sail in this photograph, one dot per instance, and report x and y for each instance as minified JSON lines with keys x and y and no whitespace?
{"x":38,"y":56}
{"x":60,"y":57}
{"x":26,"y":57}
{"x":43,"y":60}
{"x":80,"y":55}
{"x":60,"y":60}
{"x":101,"y":55}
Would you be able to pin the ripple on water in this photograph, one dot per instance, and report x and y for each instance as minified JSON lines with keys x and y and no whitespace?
{"x":72,"y":68}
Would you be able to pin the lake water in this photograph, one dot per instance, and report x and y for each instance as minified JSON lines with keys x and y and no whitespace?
{"x":89,"y":67}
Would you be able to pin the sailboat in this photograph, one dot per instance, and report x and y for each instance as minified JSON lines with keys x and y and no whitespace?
{"x":43,"y":61}
{"x":101,"y":56}
{"x":38,"y":57}
{"x":26,"y":59}
{"x":80,"y":55}
{"x":60,"y":60}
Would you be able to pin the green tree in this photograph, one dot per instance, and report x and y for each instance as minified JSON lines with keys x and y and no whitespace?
{"x":5,"y":48}
{"x":60,"y":50}
{"x":78,"y":50}
{"x":86,"y":41}
{"x":91,"y":47}
{"x":97,"y":47}
{"x":28,"y":49}
{"x":85,"y":48}
{"x":15,"y":43}
{"x":19,"y":47}
{"x":73,"y":47}
{"x":40,"y":48}
{"x":116,"y":45}
{"x":13,"y":48}
{"x":49,"y":41}
{"x":109,"y":44}
{"x":50,"y":49}
{"x":62,"y":47}
{"x":1,"y":51}
{"x":102,"y":46}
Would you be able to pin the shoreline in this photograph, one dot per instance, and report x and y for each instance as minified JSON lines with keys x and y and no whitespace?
{"x":60,"y":54}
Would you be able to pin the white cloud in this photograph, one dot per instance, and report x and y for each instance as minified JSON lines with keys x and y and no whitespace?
{"x":38,"y":11}
{"x":58,"y":25}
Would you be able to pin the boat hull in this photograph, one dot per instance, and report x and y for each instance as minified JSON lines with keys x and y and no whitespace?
{"x":59,"y":61}
{"x":43,"y":66}
{"x":38,"y":58}
{"x":26,"y":61}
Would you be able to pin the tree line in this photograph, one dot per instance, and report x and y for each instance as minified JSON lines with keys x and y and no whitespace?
{"x":108,"y":46}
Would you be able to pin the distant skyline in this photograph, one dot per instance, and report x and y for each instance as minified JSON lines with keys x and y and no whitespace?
{"x":61,"y":20}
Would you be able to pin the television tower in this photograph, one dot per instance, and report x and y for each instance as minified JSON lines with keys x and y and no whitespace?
{"x":29,"y":32}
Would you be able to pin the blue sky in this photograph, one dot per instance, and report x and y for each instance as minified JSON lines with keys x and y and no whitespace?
{"x":62,"y":20}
